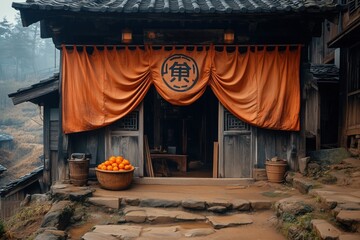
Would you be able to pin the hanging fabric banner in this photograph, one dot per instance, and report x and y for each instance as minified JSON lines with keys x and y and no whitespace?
{"x":101,"y":86}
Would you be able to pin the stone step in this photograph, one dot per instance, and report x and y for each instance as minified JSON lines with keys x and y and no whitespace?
{"x":159,"y":215}
{"x":213,"y":205}
{"x":164,"y":216}
{"x":325,"y":230}
{"x":137,"y":232}
{"x":350,"y":219}
{"x":303,"y":185}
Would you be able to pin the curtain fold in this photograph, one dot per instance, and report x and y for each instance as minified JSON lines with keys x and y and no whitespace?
{"x":259,"y":86}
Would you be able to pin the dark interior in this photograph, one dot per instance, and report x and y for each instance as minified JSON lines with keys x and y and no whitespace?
{"x":185,"y":130}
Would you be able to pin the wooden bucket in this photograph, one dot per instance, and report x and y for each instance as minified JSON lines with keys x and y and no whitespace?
{"x":79,"y":169}
{"x":275,"y":171}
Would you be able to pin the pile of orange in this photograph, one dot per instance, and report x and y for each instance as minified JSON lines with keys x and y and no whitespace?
{"x":116,"y":163}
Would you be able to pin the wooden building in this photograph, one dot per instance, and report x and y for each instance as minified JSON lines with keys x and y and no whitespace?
{"x":338,"y":47}
{"x":347,"y":42}
{"x":185,"y":75}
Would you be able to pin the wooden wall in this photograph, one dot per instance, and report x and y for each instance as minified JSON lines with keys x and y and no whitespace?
{"x":272,"y":143}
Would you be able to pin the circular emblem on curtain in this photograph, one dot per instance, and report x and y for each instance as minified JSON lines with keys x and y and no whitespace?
{"x":179,"y":72}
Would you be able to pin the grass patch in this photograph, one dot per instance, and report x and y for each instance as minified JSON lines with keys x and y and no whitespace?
{"x":26,"y":217}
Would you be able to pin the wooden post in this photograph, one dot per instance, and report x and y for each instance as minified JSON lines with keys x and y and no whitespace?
{"x":215,"y":160}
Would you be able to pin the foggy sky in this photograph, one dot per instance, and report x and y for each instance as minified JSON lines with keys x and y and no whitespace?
{"x":7,"y":11}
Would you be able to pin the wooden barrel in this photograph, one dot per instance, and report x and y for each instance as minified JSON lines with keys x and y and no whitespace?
{"x":79,"y":169}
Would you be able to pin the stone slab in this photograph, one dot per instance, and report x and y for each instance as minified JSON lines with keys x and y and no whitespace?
{"x":217,"y":209}
{"x":158,"y":215}
{"x":219,"y":202}
{"x":241,"y":205}
{"x":325,"y":230}
{"x":159,"y":203}
{"x":348,"y":217}
{"x":260,"y":204}
{"x":162,"y":232}
{"x":136,"y":216}
{"x":193,"y":204}
{"x":347,"y":236}
{"x":198,"y":232}
{"x":219,"y":222}
{"x":119,"y":231}
{"x":335,"y":155}
{"x":98,"y":236}
{"x":110,"y":202}
{"x":302,"y":185}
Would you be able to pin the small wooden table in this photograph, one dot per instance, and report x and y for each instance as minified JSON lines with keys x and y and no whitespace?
{"x":181,"y":160}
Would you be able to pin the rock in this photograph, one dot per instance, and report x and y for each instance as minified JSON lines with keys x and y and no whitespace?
{"x":349,"y":206}
{"x":49,"y":234}
{"x":217,"y":209}
{"x":132,"y":201}
{"x":313,"y":169}
{"x":349,"y":218}
{"x":289,"y":177}
{"x":70,"y":192}
{"x":219,"y":202}
{"x":159,"y":203}
{"x":184,"y":216}
{"x":110,"y":202}
{"x":302,"y":185}
{"x":59,"y":215}
{"x":325,"y":230}
{"x":303,"y":162}
{"x":193,"y":204}
{"x":119,"y":231}
{"x":241,"y":205}
{"x":136,"y":216}
{"x":161,"y":232}
{"x":260,"y":204}
{"x":229,"y":221}
{"x":293,"y":206}
{"x":347,"y":236}
{"x":98,"y":236}
{"x":329,"y":156}
{"x":198,"y":232}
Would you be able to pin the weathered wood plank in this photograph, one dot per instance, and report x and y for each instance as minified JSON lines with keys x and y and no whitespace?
{"x":215,"y":159}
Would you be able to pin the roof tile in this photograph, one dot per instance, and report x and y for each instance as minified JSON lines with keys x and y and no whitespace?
{"x":182,"y":6}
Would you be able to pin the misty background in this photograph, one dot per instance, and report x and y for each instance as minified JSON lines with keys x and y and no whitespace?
{"x":25,"y":59}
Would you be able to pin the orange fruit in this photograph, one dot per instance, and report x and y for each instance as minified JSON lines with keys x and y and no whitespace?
{"x":109,"y":168}
{"x":103,"y":167}
{"x":127,"y":167}
{"x":114,"y":165}
{"x":119,"y":160}
{"x":115,"y":169}
{"x":126,"y":162}
{"x":121,"y":166}
{"x":106,"y":163}
{"x":99,"y":166}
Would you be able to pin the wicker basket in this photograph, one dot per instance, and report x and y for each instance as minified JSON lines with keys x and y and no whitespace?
{"x":114,"y":180}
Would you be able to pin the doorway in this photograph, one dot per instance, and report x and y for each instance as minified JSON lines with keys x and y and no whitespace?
{"x":189,"y":132}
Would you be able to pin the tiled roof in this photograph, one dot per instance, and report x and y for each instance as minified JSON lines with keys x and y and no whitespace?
{"x":37,"y":90}
{"x":179,"y":6}
{"x":5,"y":137}
{"x":325,"y":71}
{"x":2,"y":168}
{"x":33,"y":176}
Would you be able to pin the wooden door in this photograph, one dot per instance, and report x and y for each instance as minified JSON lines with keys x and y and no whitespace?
{"x":125,"y":138}
{"x":235,"y":146}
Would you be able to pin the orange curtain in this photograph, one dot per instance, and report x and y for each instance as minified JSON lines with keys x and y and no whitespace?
{"x":260,"y":87}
